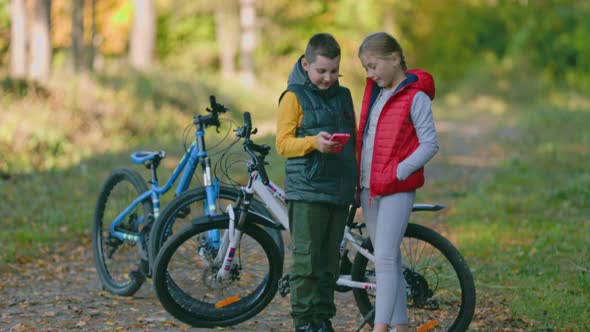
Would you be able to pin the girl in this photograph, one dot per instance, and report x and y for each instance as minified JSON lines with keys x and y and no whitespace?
{"x":396,"y":138}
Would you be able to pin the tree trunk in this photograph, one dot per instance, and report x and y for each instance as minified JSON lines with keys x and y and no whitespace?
{"x":92,"y":48}
{"x":143,"y":34}
{"x":18,"y":44}
{"x":40,"y":47}
{"x":77,"y":48}
{"x":227,"y":30}
{"x":248,"y":42}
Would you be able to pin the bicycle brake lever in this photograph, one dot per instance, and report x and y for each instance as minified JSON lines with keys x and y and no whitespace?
{"x":239,"y":131}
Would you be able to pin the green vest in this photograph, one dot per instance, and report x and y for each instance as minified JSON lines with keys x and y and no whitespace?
{"x":323,"y":177}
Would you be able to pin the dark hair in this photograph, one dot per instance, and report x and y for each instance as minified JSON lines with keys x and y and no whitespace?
{"x":323,"y":44}
{"x":382,"y":44}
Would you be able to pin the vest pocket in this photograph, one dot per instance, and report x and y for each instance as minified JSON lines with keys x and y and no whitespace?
{"x":384,"y":181}
{"x":315,"y":165}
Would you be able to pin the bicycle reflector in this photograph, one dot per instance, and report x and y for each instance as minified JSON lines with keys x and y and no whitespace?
{"x":226,"y":302}
{"x":428,"y":326}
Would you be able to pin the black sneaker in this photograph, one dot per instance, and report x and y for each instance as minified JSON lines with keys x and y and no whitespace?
{"x":305,"y":328}
{"x":325,"y":326}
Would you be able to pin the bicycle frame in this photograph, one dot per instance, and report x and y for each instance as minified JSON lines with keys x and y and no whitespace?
{"x":196,"y":154}
{"x":274,"y":198}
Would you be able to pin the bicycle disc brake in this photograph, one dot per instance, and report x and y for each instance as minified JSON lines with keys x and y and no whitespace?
{"x":112,"y":244}
{"x":419,"y":292}
{"x":128,"y":225}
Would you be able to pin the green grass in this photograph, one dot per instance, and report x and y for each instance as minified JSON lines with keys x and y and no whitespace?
{"x":526,"y":231}
{"x":523,"y":225}
{"x":61,"y":148}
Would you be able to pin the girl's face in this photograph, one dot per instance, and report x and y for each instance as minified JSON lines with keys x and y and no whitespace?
{"x":385,"y":71}
{"x":323,"y":72}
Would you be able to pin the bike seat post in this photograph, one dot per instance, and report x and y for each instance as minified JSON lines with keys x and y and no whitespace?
{"x":351,"y":214}
{"x":153,"y":166}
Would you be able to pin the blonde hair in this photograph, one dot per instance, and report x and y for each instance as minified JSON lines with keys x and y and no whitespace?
{"x":382,"y":44}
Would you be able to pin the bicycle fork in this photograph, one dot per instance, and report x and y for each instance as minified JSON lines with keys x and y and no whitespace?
{"x":226,"y":255}
{"x":228,"y":247}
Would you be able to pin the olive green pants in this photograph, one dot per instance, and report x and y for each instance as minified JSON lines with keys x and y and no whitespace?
{"x":316,"y":232}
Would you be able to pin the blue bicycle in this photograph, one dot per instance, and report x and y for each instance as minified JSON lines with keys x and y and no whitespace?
{"x":127,"y":208}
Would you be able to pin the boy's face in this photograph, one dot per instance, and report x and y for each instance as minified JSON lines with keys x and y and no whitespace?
{"x":323,"y":72}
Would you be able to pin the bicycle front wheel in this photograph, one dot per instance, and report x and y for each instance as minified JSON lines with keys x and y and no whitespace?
{"x":190,"y":205}
{"x":121,"y":264}
{"x":185,"y":280}
{"x":440,"y":288}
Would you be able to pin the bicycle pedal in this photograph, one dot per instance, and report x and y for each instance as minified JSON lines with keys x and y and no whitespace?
{"x":284,"y":288}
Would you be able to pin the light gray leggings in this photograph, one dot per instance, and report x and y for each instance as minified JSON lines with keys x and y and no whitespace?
{"x":386,"y":218}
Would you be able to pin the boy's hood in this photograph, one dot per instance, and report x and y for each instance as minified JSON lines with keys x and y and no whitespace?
{"x":299,"y":76}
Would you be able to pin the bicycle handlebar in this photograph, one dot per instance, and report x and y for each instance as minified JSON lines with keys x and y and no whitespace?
{"x":215,"y":107}
{"x":247,"y":125}
{"x":252,"y":148}
{"x":211,"y":119}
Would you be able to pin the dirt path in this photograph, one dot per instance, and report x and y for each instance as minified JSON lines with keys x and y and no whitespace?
{"x":61,"y":292}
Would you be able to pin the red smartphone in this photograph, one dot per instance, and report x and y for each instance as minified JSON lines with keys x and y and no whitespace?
{"x":341,"y":138}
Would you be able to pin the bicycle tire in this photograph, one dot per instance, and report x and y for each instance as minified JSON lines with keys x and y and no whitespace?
{"x":188,"y":290}
{"x":455,"y":311}
{"x":120,"y":264}
{"x":172,"y":216}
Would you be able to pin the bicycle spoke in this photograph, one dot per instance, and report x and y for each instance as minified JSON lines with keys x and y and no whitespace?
{"x":189,"y":287}
{"x":433,"y":271}
{"x":119,"y":262}
{"x":185,"y":265}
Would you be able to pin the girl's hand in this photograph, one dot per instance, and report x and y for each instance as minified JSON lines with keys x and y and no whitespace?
{"x":324,"y":143}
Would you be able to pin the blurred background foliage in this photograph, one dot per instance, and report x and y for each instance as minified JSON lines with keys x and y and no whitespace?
{"x":447,"y":36}
{"x":512,"y":111}
{"x":519,"y":48}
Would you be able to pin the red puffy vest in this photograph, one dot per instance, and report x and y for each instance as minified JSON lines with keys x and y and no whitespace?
{"x":395,"y":136}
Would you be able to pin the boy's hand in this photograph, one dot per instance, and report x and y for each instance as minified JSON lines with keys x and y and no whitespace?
{"x":324,"y":143}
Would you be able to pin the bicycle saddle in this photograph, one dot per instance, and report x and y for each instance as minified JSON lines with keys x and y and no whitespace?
{"x":140,"y":157}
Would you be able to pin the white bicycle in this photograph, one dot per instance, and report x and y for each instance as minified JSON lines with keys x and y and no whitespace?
{"x":210,"y":281}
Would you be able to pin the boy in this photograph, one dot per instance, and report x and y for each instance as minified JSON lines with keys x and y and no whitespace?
{"x":319,"y":183}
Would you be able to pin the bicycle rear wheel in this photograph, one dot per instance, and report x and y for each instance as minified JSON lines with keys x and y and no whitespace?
{"x":121,"y":264}
{"x":184,"y":276}
{"x":441,"y":292}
